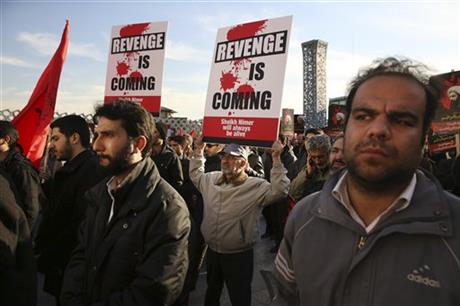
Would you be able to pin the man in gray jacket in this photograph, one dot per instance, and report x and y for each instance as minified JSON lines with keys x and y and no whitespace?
{"x":232,"y":204}
{"x":381,"y":232}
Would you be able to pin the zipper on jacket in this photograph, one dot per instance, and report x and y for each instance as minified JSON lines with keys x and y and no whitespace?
{"x":361,"y":242}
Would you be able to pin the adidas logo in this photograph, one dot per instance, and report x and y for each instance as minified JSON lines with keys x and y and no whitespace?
{"x":417,"y":277}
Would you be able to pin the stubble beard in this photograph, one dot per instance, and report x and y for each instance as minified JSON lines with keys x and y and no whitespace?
{"x":66,"y":152}
{"x":118,"y":163}
{"x":377,"y":178}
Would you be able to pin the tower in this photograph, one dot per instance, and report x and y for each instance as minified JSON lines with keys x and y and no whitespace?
{"x":314,"y":83}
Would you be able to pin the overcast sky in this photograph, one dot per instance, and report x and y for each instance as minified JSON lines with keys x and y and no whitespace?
{"x":356,"y":32}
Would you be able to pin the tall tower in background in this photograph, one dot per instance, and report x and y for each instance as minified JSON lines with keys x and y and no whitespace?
{"x":314,"y":83}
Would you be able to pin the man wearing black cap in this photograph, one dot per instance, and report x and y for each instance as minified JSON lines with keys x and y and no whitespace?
{"x":166,"y":160}
{"x":232,"y":204}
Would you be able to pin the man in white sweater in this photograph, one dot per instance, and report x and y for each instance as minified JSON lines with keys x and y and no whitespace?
{"x":232,"y":205}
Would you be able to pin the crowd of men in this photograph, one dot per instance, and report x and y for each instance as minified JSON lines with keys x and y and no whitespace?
{"x":128,"y":216}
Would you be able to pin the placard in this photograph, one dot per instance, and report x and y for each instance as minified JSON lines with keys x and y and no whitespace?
{"x":245,"y":86}
{"x":135,"y":66}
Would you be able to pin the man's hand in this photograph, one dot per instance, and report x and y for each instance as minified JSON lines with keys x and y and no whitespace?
{"x":277,"y":149}
{"x":199,"y":146}
{"x":310,"y":166}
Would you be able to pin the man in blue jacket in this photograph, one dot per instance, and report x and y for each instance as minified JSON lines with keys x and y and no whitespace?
{"x":380,"y":232}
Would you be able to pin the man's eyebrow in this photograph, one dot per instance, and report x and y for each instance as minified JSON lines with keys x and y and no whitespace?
{"x":402,"y":114}
{"x":104,"y":132}
{"x":364,"y":109}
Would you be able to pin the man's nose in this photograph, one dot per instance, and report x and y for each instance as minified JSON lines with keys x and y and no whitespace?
{"x":97,"y":146}
{"x":379,"y":128}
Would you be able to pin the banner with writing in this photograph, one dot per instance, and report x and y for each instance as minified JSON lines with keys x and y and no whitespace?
{"x":447,"y":119}
{"x":246,"y":83}
{"x":135,"y":66}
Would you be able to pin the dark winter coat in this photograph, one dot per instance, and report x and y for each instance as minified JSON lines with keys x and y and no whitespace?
{"x":169,"y":166}
{"x":65,"y":210}
{"x":27,"y":183}
{"x":212,"y":163}
{"x":17,"y":265}
{"x":140,"y":256}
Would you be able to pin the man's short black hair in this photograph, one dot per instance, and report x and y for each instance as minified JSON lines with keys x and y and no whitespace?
{"x":403,"y":67}
{"x":161,"y":128}
{"x":71,"y":124}
{"x":178,"y":138}
{"x":134,"y":119}
{"x":8,"y":129}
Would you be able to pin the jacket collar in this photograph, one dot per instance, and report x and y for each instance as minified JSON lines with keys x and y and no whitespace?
{"x":428,"y":211}
{"x":12,"y":157}
{"x":137,"y":186}
{"x":75,"y":163}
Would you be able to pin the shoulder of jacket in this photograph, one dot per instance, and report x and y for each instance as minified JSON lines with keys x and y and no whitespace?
{"x":20,"y":163}
{"x":169,"y":197}
{"x":303,"y":209}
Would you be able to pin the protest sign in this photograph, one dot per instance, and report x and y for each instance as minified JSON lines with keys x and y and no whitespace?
{"x":441,"y":143}
{"x":447,"y":119}
{"x":135,"y":66}
{"x":245,"y":86}
{"x":287,"y":122}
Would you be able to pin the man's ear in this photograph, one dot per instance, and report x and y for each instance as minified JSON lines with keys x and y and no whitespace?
{"x":75,"y":138}
{"x":244,"y":164}
{"x":6,"y":139}
{"x":139,"y":144}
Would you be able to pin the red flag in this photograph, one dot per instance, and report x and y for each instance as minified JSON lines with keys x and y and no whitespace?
{"x":34,"y":119}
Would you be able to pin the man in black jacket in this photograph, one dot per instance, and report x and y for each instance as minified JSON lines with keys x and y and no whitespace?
{"x":17,"y":265}
{"x":165,"y":159}
{"x":132,"y":246}
{"x":20,"y":169}
{"x":65,"y":209}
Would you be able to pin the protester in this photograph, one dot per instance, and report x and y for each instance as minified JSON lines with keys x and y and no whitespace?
{"x":21,"y":171}
{"x":232,"y":204}
{"x":275,"y":214}
{"x":316,"y":169}
{"x":381,"y":232}
{"x":177,"y":143}
{"x":194,"y":203}
{"x":188,"y":147}
{"x":212,"y":155}
{"x":132,"y":246}
{"x":65,"y":208}
{"x":443,"y":169}
{"x":165,"y":159}
{"x":255,"y":165}
{"x":298,"y":144}
{"x":18,"y":281}
{"x":302,"y":153}
{"x":336,"y":161}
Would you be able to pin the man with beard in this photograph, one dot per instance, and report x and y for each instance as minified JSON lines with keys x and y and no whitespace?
{"x":166,"y":160}
{"x":65,"y":208}
{"x":336,"y":161}
{"x":132,"y":246}
{"x":316,"y":169}
{"x":381,"y":232}
{"x":232,"y":204}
